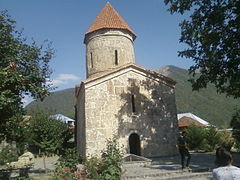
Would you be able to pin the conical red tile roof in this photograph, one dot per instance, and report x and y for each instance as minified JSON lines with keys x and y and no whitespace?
{"x":109,"y":18}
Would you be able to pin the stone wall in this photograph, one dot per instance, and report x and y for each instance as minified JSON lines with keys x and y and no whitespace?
{"x":81,"y":131}
{"x":109,"y":111}
{"x":103,"y":46}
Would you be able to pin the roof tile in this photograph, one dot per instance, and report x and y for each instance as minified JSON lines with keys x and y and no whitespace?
{"x":109,"y":18}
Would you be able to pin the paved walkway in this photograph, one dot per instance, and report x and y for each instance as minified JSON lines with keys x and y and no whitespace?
{"x":170,"y":168}
{"x":159,"y":169}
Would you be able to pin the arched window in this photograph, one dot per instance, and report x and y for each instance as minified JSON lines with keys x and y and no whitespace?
{"x":134,"y":144}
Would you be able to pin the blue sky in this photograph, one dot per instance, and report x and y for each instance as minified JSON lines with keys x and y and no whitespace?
{"x":64,"y":22}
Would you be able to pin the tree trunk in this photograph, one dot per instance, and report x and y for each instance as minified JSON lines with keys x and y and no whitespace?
{"x":44,"y":162}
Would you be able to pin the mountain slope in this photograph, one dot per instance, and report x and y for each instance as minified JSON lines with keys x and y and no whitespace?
{"x":58,"y":102}
{"x":207,"y":104}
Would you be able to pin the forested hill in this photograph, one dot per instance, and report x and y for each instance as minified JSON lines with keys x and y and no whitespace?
{"x":58,"y":102}
{"x":207,"y":104}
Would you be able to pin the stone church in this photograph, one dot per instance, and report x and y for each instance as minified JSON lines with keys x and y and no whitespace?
{"x":121,"y":98}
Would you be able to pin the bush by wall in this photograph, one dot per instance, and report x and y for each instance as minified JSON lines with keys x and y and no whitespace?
{"x":208,"y":139}
{"x":107,"y":167}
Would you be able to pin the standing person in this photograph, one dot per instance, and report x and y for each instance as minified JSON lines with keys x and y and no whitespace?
{"x":183,"y":150}
{"x":225,"y":170}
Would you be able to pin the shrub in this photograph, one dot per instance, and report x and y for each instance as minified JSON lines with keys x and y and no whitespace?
{"x":22,"y":178}
{"x":208,"y":139}
{"x":111,"y":161}
{"x":226,"y":140}
{"x":67,"y":174}
{"x":6,"y":156}
{"x":70,"y":159}
{"x":195,"y":137}
{"x":212,"y":137}
{"x":66,"y":167}
{"x":91,"y":166}
{"x":235,"y":124}
{"x":107,"y":167}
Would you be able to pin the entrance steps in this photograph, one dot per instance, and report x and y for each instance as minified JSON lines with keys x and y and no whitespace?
{"x":139,"y":172}
{"x":132,"y":158}
{"x":141,"y":168}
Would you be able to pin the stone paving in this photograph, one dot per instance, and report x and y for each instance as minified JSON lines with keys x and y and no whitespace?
{"x":162,"y":168}
{"x":170,"y":168}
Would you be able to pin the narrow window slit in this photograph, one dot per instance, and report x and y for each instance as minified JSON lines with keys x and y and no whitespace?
{"x":133,"y":103}
{"x":116,"y":57}
{"x":91,"y":57}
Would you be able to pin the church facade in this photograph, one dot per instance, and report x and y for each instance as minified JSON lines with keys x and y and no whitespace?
{"x":120,"y":98}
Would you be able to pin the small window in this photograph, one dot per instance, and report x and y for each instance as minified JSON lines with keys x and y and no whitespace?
{"x":133,"y":103}
{"x":116,"y":57}
{"x":91,"y":58}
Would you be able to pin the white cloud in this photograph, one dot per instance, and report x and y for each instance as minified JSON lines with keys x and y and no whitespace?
{"x":57,"y":82}
{"x":63,"y":79}
{"x":70,"y":77}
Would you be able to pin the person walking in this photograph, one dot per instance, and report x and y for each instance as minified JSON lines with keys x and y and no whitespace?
{"x":225,"y":170}
{"x":183,"y":151}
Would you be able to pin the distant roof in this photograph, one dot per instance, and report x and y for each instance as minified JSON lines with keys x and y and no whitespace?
{"x":62,"y":118}
{"x":192,"y":116}
{"x":109,"y":18}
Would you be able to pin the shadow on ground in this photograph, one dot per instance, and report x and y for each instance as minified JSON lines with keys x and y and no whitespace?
{"x":199,"y":162}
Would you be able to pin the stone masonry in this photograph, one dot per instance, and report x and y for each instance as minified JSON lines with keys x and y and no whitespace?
{"x":120,"y":98}
{"x":107,"y":107}
{"x":102,"y":46}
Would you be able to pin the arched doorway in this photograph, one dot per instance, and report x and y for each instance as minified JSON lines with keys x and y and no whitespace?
{"x":134,"y":144}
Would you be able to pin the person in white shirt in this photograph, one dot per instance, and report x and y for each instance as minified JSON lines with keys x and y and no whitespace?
{"x":225,"y":170}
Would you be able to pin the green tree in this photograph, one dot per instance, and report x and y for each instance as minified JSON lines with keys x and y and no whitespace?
{"x":24,"y":70}
{"x":195,"y":137}
{"x":226,"y":139}
{"x":212,"y":35}
{"x":212,"y":137}
{"x":6,"y":155}
{"x":235,"y":124}
{"x":17,"y":129}
{"x":48,"y":134}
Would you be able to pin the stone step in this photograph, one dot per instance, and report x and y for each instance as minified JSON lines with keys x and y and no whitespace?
{"x":168,"y":176}
{"x":140,"y":171}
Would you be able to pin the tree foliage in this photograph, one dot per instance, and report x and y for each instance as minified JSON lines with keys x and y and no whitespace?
{"x":212,"y":35}
{"x":17,"y":129}
{"x":208,"y":139}
{"x":212,"y":138}
{"x":24,"y":69}
{"x":195,"y":137}
{"x":235,"y":124}
{"x":48,"y":134}
{"x":6,"y":155}
{"x":70,"y":159}
{"x":109,"y":165}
